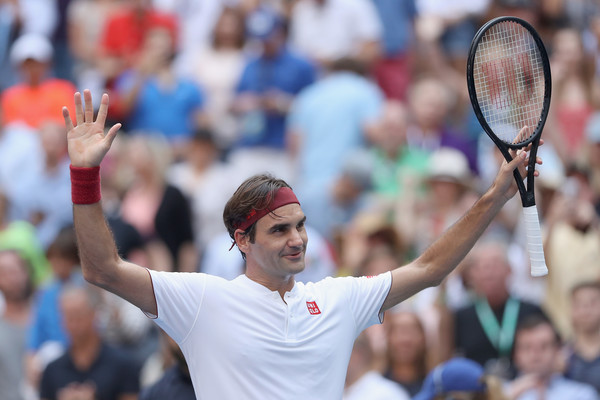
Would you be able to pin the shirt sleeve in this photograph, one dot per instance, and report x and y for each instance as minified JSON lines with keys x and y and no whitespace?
{"x":367,"y":24}
{"x":365,"y":296}
{"x":178,"y":299}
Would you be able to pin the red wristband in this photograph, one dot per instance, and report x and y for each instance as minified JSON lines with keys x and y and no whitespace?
{"x":85,"y":185}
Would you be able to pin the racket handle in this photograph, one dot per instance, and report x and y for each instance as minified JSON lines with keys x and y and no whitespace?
{"x":534,"y":241}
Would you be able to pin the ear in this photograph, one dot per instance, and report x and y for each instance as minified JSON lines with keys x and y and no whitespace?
{"x":242,"y":240}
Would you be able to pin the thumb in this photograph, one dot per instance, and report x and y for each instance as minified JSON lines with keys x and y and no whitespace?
{"x":518,"y":160}
{"x":112,"y":133}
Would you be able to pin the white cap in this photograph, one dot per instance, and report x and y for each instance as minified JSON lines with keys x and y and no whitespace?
{"x":31,"y":46}
{"x":450,"y":165}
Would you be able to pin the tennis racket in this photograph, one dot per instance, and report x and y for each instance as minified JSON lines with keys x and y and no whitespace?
{"x":508,"y":77}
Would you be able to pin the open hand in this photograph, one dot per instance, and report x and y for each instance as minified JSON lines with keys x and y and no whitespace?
{"x":87,"y":142}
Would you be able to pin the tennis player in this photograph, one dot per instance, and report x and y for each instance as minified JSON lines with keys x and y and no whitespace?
{"x":261,"y":335}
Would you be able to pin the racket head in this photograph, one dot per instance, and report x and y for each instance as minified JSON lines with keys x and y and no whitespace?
{"x":509,"y":82}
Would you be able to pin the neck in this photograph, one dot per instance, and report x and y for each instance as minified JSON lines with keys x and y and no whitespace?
{"x":281,"y":285}
{"x":405,"y":372}
{"x":498,"y":300}
{"x":587,"y":344}
{"x":84,"y":350}
{"x":17,"y":312}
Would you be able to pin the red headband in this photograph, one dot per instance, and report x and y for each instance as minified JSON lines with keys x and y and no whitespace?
{"x":283,"y":196}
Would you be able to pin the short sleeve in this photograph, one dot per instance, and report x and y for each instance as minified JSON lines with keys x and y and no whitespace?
{"x":365,"y":296}
{"x":178,"y":299}
{"x":367,"y":24}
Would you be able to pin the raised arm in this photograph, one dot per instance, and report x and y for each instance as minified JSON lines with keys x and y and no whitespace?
{"x":448,"y":250}
{"x":88,"y":144}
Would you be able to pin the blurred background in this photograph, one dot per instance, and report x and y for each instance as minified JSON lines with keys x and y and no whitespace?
{"x":360,"y":105}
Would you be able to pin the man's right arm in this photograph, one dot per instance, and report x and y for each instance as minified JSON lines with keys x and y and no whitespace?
{"x":101,"y":265}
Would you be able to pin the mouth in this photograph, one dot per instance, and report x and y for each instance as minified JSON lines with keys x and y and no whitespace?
{"x":294,"y":256}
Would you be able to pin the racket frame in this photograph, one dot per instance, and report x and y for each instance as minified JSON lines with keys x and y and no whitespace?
{"x":526,"y":193}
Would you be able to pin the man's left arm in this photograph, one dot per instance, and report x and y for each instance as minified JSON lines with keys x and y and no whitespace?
{"x":448,"y":251}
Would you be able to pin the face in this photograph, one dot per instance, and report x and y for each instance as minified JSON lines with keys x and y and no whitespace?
{"x":406,"y":339}
{"x":279,"y":244}
{"x":34,"y":71}
{"x":14,"y":277}
{"x":536,"y":350}
{"x":489,"y":271}
{"x":585,"y":309}
{"x":78,"y":315}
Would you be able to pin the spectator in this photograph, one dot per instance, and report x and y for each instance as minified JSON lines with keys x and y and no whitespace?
{"x":89,"y":369}
{"x":175,"y":383}
{"x":16,"y":288}
{"x":22,"y":17}
{"x":573,"y":92}
{"x":124,"y":33}
{"x":460,"y":378}
{"x":450,"y":193}
{"x":46,"y":337}
{"x":393,"y":71}
{"x":571,"y":246}
{"x":151,"y":83}
{"x":197,"y":175}
{"x":398,"y":169}
{"x":348,"y":196}
{"x":537,"y":351}
{"x":329,"y":30}
{"x":429,"y":101}
{"x":265,"y":92}
{"x":217,"y":66}
{"x":85,"y":23}
{"x":44,"y":198}
{"x":330,"y":120}
{"x":592,"y":148}
{"x":20,"y":236}
{"x":409,"y":356}
{"x":197,"y":21}
{"x":37,"y":98}
{"x":485,"y":329}
{"x":583,"y":364}
{"x":158,"y":210}
{"x":363,"y":382}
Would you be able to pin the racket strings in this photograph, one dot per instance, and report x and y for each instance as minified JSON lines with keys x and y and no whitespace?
{"x":509,"y":81}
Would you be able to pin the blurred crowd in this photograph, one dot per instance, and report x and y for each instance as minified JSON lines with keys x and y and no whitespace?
{"x":362,"y":107}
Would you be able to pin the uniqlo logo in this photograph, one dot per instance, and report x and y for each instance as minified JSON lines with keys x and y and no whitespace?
{"x":313,"y":308}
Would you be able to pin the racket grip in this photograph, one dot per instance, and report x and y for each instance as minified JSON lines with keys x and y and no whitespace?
{"x":534,"y":241}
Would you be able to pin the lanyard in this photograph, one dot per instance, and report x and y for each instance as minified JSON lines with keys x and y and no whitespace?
{"x":501,"y":337}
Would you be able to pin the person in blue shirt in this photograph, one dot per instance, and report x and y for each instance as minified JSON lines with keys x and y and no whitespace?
{"x":269,"y":83}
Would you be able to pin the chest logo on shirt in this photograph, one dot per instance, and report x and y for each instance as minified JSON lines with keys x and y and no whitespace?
{"x":313,"y":308}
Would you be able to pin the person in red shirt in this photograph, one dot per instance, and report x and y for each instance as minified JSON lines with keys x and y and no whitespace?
{"x":38,"y":98}
{"x":124,"y":33}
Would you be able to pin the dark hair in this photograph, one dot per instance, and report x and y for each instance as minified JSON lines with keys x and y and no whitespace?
{"x":253,"y":194}
{"x":65,"y":245}
{"x":585,"y":285}
{"x":533,"y":321}
{"x":237,"y":14}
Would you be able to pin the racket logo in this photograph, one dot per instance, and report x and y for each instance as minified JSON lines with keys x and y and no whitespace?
{"x":313,"y":308}
{"x":509,"y":81}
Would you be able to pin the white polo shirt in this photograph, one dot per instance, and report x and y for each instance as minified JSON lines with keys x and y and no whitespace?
{"x":242,"y":341}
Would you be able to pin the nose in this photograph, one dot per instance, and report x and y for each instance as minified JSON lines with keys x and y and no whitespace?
{"x":296,"y":239}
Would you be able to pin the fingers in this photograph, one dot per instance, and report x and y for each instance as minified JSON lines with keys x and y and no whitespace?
{"x":112,"y":133}
{"x":103,"y":110}
{"x":67,"y":117}
{"x":89,"y":109}
{"x":78,"y":108}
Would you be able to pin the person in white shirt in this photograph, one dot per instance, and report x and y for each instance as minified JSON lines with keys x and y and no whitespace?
{"x":329,"y":30}
{"x":363,"y":381}
{"x":262,"y":335}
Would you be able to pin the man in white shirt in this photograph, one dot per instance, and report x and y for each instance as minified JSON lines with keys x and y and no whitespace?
{"x":328,"y":30}
{"x":262,"y":335}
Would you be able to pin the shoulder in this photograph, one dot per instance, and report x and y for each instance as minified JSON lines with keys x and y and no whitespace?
{"x":572,"y":389}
